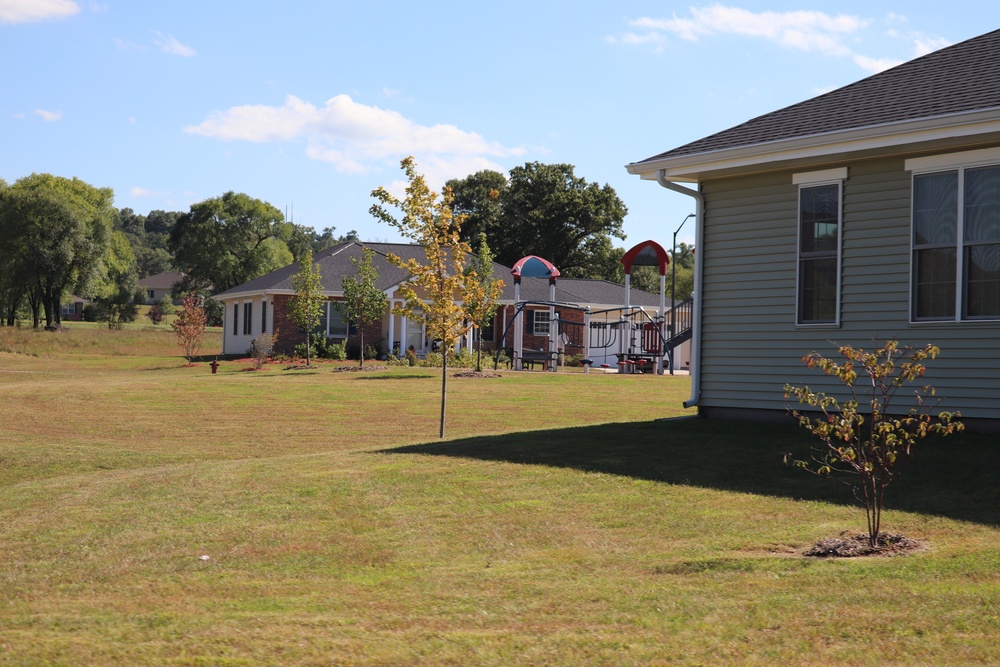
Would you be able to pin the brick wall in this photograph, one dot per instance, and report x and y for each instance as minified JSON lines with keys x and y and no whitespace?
{"x":531,"y":341}
{"x":289,"y":334}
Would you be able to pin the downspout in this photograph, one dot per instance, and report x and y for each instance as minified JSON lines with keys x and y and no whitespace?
{"x":699,"y":264}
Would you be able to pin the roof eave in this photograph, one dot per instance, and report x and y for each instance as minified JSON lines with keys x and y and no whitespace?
{"x":690,"y":168}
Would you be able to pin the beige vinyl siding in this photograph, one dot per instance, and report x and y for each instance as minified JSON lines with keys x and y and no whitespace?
{"x":751,"y":345}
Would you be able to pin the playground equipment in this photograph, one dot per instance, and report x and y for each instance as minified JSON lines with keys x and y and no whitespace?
{"x":636,"y":339}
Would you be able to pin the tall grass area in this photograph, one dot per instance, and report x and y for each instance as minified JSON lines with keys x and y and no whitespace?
{"x":139,"y":341}
{"x":156,"y":514}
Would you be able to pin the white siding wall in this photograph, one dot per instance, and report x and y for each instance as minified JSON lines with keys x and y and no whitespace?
{"x":238,"y":342}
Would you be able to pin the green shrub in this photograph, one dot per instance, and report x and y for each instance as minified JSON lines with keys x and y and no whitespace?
{"x":166,"y":305}
{"x":337,"y":351}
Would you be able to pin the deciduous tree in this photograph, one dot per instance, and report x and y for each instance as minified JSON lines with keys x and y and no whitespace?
{"x":116,"y":294}
{"x":482,"y":294}
{"x":189,"y":326}
{"x":306,"y":307}
{"x":363,"y":302}
{"x":544,"y":210}
{"x":432,"y":295}
{"x":55,"y":235}
{"x":226,"y":241}
{"x":864,"y":435}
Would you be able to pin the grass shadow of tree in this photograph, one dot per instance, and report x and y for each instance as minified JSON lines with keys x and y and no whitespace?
{"x":955,"y":478}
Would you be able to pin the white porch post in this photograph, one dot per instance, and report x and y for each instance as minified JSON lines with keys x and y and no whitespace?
{"x":392,"y":330}
{"x":518,"y":326}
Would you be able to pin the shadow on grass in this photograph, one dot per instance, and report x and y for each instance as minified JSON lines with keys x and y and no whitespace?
{"x":394,"y":376}
{"x":955,"y":478}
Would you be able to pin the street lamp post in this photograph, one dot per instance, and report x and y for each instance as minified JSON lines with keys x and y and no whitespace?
{"x":673,"y":288}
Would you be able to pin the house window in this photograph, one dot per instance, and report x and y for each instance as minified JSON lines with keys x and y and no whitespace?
{"x":331,"y":322}
{"x":541,"y":325}
{"x":236,"y":319}
{"x":488,"y":332}
{"x":956,"y":244}
{"x":247,"y":317}
{"x":263,"y":316}
{"x":819,"y":246}
{"x":337,"y":327}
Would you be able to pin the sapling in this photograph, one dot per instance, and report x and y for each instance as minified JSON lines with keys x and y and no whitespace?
{"x":865,"y":436}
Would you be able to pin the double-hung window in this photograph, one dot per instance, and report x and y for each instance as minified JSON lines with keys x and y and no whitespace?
{"x":541,"y":323}
{"x":819,"y":233}
{"x":955,"y":237}
{"x":247,"y":317}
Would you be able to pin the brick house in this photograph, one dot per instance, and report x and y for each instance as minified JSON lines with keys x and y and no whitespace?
{"x":261,"y":305}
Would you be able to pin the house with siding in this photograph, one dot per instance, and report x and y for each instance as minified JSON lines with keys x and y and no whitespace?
{"x":160,"y":285}
{"x":869,"y":212}
{"x":261,"y":305}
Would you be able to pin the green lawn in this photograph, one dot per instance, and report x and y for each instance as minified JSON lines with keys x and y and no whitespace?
{"x":156,"y":514}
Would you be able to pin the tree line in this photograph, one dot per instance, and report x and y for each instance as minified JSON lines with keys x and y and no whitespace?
{"x":63,"y":237}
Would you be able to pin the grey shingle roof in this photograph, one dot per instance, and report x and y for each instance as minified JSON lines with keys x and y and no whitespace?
{"x":164,"y":280}
{"x":961,"y":78}
{"x":335,"y":263}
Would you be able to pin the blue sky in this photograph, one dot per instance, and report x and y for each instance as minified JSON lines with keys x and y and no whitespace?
{"x":311,"y":105}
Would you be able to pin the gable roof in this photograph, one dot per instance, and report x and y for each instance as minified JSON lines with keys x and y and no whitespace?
{"x":945,"y":90}
{"x":335,"y":263}
{"x":163,"y":280}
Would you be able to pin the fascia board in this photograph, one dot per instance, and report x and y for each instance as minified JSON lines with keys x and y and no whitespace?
{"x":686,"y":168}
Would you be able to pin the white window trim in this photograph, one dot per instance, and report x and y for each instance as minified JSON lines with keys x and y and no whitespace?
{"x":548,"y":324}
{"x":958,"y":162}
{"x":812,"y":179}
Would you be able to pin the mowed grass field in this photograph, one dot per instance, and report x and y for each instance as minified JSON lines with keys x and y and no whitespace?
{"x":156,"y":514}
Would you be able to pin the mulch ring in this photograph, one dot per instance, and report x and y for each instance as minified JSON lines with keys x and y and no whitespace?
{"x":855,"y":545}
{"x":358,"y":369}
{"x":476,"y":374}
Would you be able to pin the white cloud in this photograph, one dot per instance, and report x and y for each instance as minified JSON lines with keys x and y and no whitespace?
{"x":124,"y":45}
{"x":355,"y":137}
{"x":875,"y":65}
{"x":26,"y":11}
{"x":924,"y":44}
{"x":800,"y":30}
{"x":807,"y":31}
{"x":144,"y":192}
{"x":49,"y":116}
{"x":169,"y":44}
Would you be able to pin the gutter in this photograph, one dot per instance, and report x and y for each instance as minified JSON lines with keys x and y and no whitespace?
{"x":699,"y":263}
{"x":833,"y":143}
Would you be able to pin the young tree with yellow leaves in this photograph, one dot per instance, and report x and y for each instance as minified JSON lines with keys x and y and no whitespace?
{"x":437,"y":287}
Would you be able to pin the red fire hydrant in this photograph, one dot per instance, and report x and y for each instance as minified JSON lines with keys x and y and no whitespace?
{"x":215,"y":366}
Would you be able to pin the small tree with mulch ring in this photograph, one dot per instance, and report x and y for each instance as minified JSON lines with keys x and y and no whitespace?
{"x":868,"y":445}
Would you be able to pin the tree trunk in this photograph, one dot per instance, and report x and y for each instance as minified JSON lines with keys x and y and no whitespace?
{"x":444,"y":388}
{"x":361,"y":343}
{"x":479,"y":350}
{"x":308,"y":347}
